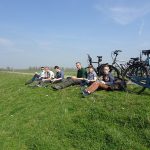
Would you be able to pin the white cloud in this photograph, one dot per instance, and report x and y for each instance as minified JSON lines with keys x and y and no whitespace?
{"x":141,"y":28}
{"x":6,"y":42}
{"x":124,"y":13}
{"x":9,"y":46}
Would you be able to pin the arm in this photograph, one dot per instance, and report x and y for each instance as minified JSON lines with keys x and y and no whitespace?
{"x":93,"y":78}
{"x":111,"y":80}
{"x":59,"y":74}
{"x":50,"y":75}
{"x":60,"y":77}
{"x":73,"y":77}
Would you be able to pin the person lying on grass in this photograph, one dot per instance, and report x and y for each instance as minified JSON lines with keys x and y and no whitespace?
{"x":74,"y":80}
{"x":106,"y":82}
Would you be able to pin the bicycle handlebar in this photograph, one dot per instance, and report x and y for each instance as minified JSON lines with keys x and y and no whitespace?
{"x":90,"y":59}
{"x":99,"y":56}
{"x":117,"y":51}
{"x":146,"y":52}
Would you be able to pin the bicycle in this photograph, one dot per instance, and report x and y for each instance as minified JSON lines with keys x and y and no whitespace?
{"x":122,"y":66}
{"x":137,"y":75}
{"x":99,"y":68}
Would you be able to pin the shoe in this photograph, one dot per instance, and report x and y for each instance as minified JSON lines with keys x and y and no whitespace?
{"x":45,"y":86}
{"x":56,"y":87}
{"x":39,"y":85}
{"x":82,"y":88}
{"x":85,"y":93}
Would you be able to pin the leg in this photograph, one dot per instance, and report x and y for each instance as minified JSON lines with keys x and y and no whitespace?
{"x":36,"y":76}
{"x":104,"y":86}
{"x":46,"y":81}
{"x":63,"y":84}
{"x":57,"y":81}
{"x":93,"y":87}
{"x":77,"y":81}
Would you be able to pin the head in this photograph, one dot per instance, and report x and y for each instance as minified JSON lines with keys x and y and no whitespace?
{"x":57,"y":68}
{"x":47,"y":69}
{"x":78,"y":65}
{"x":90,"y":68}
{"x":106,"y":69}
{"x":42,"y":68}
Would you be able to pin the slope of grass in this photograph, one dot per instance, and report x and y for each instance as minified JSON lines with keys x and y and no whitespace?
{"x":43,"y":119}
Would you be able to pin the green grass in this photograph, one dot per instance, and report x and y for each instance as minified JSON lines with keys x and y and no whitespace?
{"x":43,"y":119}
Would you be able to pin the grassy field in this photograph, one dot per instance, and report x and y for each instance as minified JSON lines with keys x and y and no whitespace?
{"x":43,"y":119}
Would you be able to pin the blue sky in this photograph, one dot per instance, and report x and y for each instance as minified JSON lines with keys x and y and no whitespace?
{"x":61,"y":32}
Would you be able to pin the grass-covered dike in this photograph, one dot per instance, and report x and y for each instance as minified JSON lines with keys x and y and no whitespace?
{"x":43,"y":119}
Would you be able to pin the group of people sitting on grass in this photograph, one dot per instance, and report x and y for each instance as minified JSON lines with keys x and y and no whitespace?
{"x":46,"y":76}
{"x":87,"y":79}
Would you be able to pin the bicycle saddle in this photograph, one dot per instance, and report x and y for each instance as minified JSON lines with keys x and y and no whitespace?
{"x":146,"y":52}
{"x":135,"y":59}
{"x":99,"y":56}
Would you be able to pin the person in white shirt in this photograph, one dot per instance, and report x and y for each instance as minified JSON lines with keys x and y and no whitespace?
{"x":49,"y":75}
{"x":37,"y":76}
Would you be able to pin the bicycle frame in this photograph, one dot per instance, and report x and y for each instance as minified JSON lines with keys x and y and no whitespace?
{"x":95,"y":62}
{"x":140,"y":72}
{"x":99,"y":69}
{"x":120,"y":67}
{"x":147,"y":60}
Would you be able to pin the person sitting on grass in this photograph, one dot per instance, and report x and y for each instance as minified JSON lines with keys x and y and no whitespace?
{"x":59,"y":76}
{"x":48,"y":76}
{"x":91,"y":77}
{"x":74,"y":80}
{"x":37,"y":76}
{"x":106,"y":82}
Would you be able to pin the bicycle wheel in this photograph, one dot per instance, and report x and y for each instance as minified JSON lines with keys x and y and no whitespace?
{"x":135,"y":78}
{"x":114,"y":71}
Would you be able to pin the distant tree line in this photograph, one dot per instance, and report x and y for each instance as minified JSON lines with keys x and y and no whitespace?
{"x":33,"y":68}
{"x":7,"y":69}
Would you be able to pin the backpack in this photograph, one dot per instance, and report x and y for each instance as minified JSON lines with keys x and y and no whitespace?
{"x":119,"y":84}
